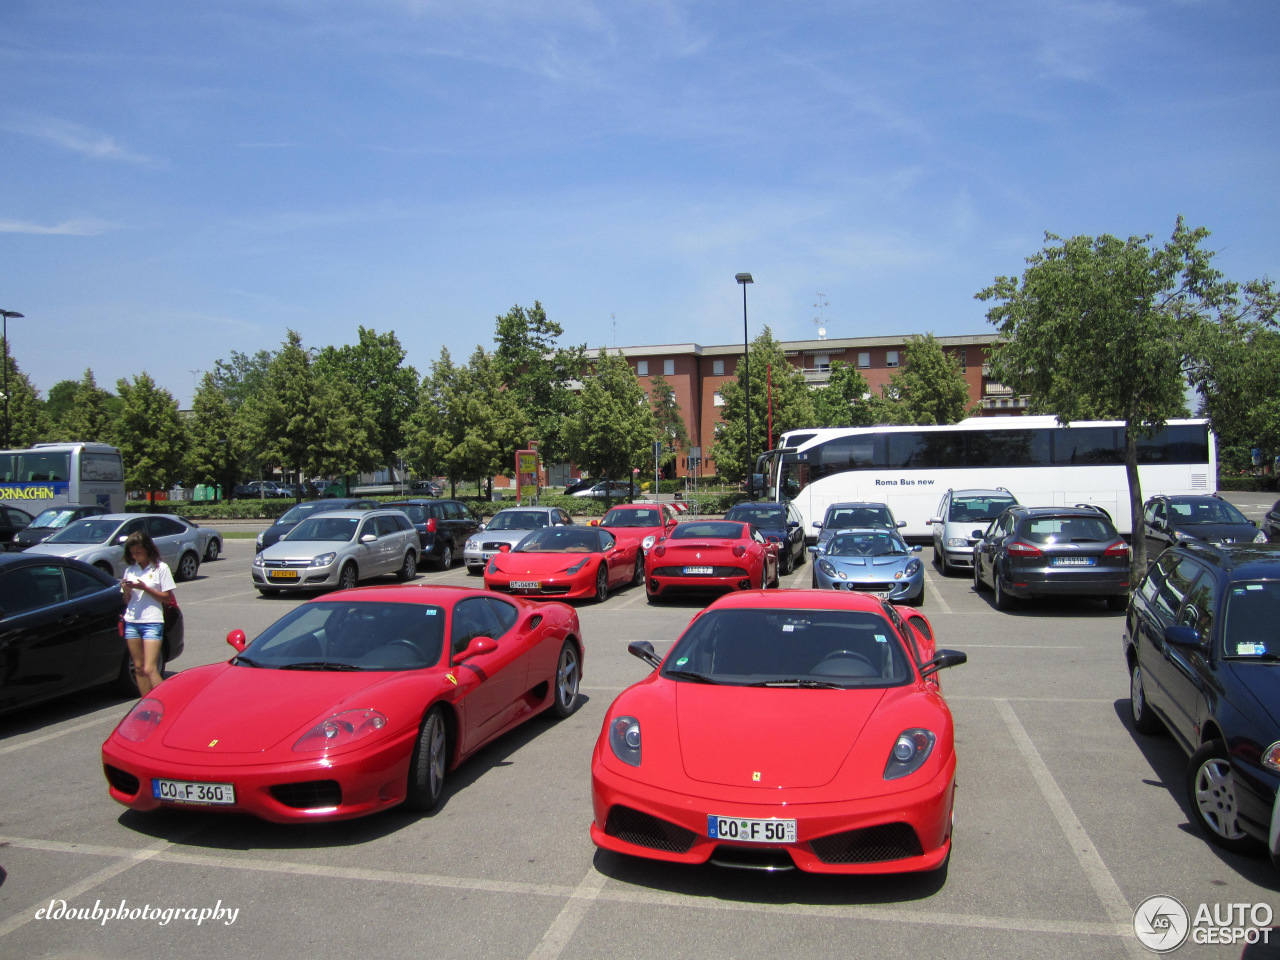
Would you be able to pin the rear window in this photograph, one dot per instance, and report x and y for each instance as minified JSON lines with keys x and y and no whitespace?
{"x":707,"y":530}
{"x":1067,"y":530}
{"x":975,"y":509}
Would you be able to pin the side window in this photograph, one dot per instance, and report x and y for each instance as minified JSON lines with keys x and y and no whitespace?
{"x":17,"y":518}
{"x":1175,"y":588}
{"x":756,"y":535}
{"x":163,"y":527}
{"x":504,"y":613}
{"x":368,"y":526}
{"x":1150,"y":585}
{"x":1201,"y":603}
{"x":607,"y":540}
{"x":472,"y":618}
{"x":31,"y":588}
{"x":450,"y":510}
{"x":81,"y":584}
{"x":137,"y":525}
{"x":563,"y":517}
{"x":387,"y":526}
{"x":404,"y":523}
{"x":1153,"y":511}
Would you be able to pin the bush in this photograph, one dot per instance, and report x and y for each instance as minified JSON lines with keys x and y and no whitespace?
{"x":1246,"y":483}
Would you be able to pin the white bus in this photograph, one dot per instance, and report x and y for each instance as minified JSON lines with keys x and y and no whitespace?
{"x":1039,"y":461}
{"x":62,"y":474}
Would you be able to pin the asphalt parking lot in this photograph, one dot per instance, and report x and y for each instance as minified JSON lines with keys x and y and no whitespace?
{"x":1066,"y":820}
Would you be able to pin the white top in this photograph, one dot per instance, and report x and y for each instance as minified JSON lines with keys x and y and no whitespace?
{"x":144,"y":608}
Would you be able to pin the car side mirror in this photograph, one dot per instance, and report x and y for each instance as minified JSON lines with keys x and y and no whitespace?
{"x":1185,"y":637}
{"x":481,"y":527}
{"x":237,"y":640}
{"x":901,"y":524}
{"x":917,"y":548}
{"x":644,"y":650}
{"x":941,"y":660}
{"x":504,"y":548}
{"x":813,"y":551}
{"x":792,"y":524}
{"x":976,"y":534}
{"x":121,"y":539}
{"x":817,"y":525}
{"x":369,"y":538}
{"x":477,"y":646}
{"x":932,"y":520}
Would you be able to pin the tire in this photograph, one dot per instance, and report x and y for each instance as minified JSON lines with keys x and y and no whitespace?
{"x":126,"y":684}
{"x":566,"y":681}
{"x":409,"y":569}
{"x":803,"y":556}
{"x":1144,"y":721}
{"x":1118,"y":604}
{"x":764,"y":575}
{"x":1002,"y":599}
{"x":788,"y":563}
{"x":813,"y":583}
{"x":979,"y":585}
{"x":1211,"y":792}
{"x":944,"y":565}
{"x":918,"y":601}
{"x":212,"y":550}
{"x":602,"y":583}
{"x":428,"y":764}
{"x":445,"y":560}
{"x":637,"y":579}
{"x":105,"y":568}
{"x":268,"y":591}
{"x":188,"y":567}
{"x":475,"y":571}
{"x":349,"y":576}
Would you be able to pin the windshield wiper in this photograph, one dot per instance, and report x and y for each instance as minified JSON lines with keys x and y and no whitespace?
{"x":689,"y":675}
{"x":795,"y":682}
{"x":1267,"y":657}
{"x":320,"y":665}
{"x":241,"y":658}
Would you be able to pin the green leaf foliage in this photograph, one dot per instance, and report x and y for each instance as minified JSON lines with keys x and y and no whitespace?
{"x":928,"y":385}
{"x":374,"y":368}
{"x":611,"y":429}
{"x":150,"y":434}
{"x":538,"y":371}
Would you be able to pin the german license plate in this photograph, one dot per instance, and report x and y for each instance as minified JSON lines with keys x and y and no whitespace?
{"x":283,"y":574}
{"x":697,"y":571}
{"x":1074,"y":561}
{"x":185,"y":791}
{"x":751,"y":831}
{"x":526,"y":584}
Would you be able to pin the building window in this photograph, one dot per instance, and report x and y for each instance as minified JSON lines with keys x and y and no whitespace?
{"x":717,"y":399}
{"x":717,"y":368}
{"x":964,"y":358}
{"x":668,"y":367}
{"x":891,"y":358}
{"x":822,"y":362}
{"x":642,"y":368}
{"x":864,"y":359}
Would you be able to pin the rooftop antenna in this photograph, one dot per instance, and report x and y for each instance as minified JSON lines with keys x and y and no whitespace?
{"x":818,"y":321}
{"x":194,"y":382}
{"x":614,"y":318}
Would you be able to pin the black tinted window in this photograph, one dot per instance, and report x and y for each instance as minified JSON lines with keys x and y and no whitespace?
{"x":31,"y":588}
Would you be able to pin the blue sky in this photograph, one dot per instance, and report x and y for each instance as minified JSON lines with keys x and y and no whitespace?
{"x":181,"y":180}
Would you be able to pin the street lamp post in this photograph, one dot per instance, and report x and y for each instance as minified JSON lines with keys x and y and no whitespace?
{"x":4,"y":332}
{"x":744,"y":279}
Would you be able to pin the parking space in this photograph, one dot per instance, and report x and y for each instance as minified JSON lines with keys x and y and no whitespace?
{"x":1066,"y":820}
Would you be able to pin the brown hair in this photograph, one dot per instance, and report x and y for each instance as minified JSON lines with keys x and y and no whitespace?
{"x":141,"y":539}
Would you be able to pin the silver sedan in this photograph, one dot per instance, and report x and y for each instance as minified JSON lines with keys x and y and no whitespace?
{"x":507,"y":528}
{"x":100,"y":541}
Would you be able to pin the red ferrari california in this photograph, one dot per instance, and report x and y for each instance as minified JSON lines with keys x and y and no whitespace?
{"x":349,"y":704}
{"x":566,"y":563}
{"x":710,"y":555}
{"x":803,"y":729}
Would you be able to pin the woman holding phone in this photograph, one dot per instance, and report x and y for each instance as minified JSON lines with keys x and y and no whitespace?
{"x":148,"y":586}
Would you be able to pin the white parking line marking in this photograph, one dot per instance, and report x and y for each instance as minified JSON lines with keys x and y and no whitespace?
{"x":592,"y":888}
{"x":933,"y":588}
{"x":14,"y":747}
{"x":1095,"y":870}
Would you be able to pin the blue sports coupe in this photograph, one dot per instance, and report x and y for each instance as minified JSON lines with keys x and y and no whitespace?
{"x":872,"y":561}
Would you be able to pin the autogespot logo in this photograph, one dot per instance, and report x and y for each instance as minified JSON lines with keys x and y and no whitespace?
{"x":1161,"y":924}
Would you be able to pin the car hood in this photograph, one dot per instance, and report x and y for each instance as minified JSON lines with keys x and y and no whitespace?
{"x":862,"y":563}
{"x":773,"y":737}
{"x":1262,"y":680}
{"x":1220,"y":532}
{"x":67,"y":549}
{"x":245,"y":710}
{"x":500,"y":536}
{"x":634,"y":533}
{"x":303,"y":549}
{"x":543,"y":564}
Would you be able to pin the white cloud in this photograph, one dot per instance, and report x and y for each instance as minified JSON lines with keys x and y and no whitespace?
{"x":76,"y":138}
{"x":86,"y":227}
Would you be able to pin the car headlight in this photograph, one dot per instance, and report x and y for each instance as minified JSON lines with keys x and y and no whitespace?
{"x":323,"y":560}
{"x":624,"y":740}
{"x":341,"y":729}
{"x":957,"y":542}
{"x":1180,"y":535}
{"x":826,"y":568}
{"x":257,"y":561}
{"x":142,"y":720}
{"x":648,"y":541}
{"x":1260,"y":538}
{"x":258,"y":541}
{"x":579,"y":565}
{"x":911,"y":569}
{"x":910,"y":751}
{"x":1271,"y":757}
{"x":471,"y":545}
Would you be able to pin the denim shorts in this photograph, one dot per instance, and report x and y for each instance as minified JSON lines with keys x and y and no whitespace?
{"x":145,"y":630}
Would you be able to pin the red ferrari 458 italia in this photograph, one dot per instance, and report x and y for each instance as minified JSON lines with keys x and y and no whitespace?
{"x":800,"y":729}
{"x":566,"y":563}
{"x":349,"y":704}
{"x":645,"y":522}
{"x":710,"y":555}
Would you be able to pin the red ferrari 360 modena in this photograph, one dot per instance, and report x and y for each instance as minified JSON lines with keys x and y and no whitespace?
{"x":710,"y":555}
{"x":566,"y":563}
{"x":802,"y":729}
{"x":347,"y":705}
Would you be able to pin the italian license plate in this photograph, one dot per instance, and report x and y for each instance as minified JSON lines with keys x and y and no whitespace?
{"x":184,"y":791}
{"x":526,"y":584}
{"x":751,"y":831}
{"x":1074,"y":561}
{"x":283,"y":574}
{"x":697,"y":571}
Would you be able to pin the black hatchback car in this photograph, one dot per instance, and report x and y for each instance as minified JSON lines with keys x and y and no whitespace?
{"x":1203,"y":654}
{"x":60,"y":630}
{"x":780,"y":523}
{"x":1052,"y":551}
{"x":296,"y":514}
{"x":443,"y":527}
{"x":1170,"y":520}
{"x":48,"y":522}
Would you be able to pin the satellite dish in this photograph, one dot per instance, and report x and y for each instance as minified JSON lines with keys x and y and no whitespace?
{"x":822,"y":333}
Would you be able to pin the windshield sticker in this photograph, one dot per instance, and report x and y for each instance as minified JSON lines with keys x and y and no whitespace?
{"x":682,"y":661}
{"x":432,"y":613}
{"x":1254,"y":586}
{"x":881,"y":638}
{"x":788,"y":628}
{"x":1250,"y":649}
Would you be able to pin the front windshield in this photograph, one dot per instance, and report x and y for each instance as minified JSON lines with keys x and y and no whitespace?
{"x":518,"y":520}
{"x":874,"y":544}
{"x":761,"y":514}
{"x":1249,"y":626}
{"x":302,"y":511}
{"x":644,"y":517}
{"x":971,"y":509}
{"x":86,"y":531}
{"x":352,"y":635}
{"x":1186,"y":511}
{"x":324,"y":528}
{"x":845,"y":518}
{"x":560,"y":540}
{"x":706,"y":530}
{"x":53,"y":518}
{"x":790,"y":647}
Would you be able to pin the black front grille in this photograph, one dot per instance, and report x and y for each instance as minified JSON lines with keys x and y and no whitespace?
{"x":871,"y":587}
{"x":309,"y":794}
{"x":121,"y":780}
{"x":495,"y":545}
{"x":889,"y":841}
{"x":715,"y":572}
{"x":646,"y":831}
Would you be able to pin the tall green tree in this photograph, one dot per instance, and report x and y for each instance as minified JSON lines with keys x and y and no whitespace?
{"x":93,"y":414}
{"x":792,"y":406}
{"x":150,"y":435}
{"x":611,"y":429}
{"x":484,"y":422}
{"x":844,"y":400}
{"x":242,"y":377}
{"x":216,"y":442}
{"x":374,"y":366}
{"x":539,"y":372}
{"x":62,"y":397}
{"x":929,"y":384}
{"x":23,"y":410}
{"x":427,"y":437}
{"x":668,"y":424}
{"x":1099,"y":327}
